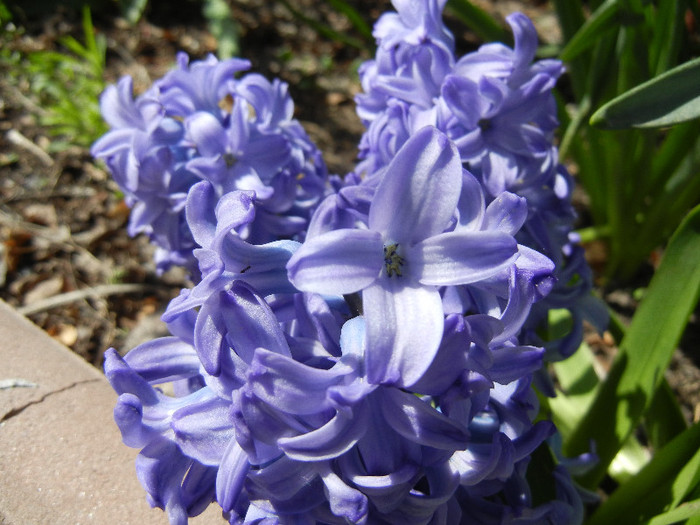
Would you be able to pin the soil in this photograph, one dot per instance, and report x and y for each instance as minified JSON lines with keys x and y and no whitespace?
{"x":65,"y":258}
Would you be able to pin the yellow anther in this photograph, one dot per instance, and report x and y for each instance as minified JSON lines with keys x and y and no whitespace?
{"x":226,"y":103}
{"x":392,"y":260}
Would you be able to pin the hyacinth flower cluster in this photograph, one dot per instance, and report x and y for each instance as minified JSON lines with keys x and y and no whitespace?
{"x":496,"y":105}
{"x":375,"y":363}
{"x":199,"y":123}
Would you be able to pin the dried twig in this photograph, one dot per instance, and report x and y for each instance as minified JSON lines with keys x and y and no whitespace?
{"x":19,"y":140}
{"x":86,"y":293}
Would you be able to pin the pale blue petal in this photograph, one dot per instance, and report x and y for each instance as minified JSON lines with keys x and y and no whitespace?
{"x":204,"y":430}
{"x":404,"y":329}
{"x":525,"y":36}
{"x":163,"y":360}
{"x":419,"y":192}
{"x":291,"y":386}
{"x":461,"y":257}
{"x":205,"y":130}
{"x":507,"y":213}
{"x":337,"y":262}
{"x":344,"y":501}
{"x":471,"y":205}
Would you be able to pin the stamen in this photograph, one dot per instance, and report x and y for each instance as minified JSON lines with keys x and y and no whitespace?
{"x":226,"y":103}
{"x":392,"y":260}
{"x":229,"y":159}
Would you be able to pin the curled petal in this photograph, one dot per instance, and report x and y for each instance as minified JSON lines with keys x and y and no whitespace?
{"x":419,"y":422}
{"x":231,"y":474}
{"x":291,"y":386}
{"x":207,"y":133}
{"x":507,"y":213}
{"x":329,"y":441}
{"x":164,"y":360}
{"x":344,"y":501}
{"x":204,"y":430}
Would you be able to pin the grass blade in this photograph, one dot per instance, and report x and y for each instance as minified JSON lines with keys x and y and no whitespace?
{"x":601,"y":21}
{"x":668,"y":33}
{"x":570,"y":15}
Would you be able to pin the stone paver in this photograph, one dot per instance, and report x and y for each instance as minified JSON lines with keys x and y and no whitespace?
{"x":61,"y":457}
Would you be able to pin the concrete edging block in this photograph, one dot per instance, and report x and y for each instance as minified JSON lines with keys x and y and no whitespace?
{"x":61,"y":456}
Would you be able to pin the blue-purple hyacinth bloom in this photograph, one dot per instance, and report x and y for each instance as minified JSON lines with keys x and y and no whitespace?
{"x":403,"y":255}
{"x":360,"y":350}
{"x":202,"y":122}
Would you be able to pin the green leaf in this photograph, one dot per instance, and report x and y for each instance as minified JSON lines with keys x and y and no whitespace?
{"x":666,"y":480}
{"x":322,"y":29}
{"x":668,"y":34}
{"x":679,"y":141}
{"x":604,"y":19}
{"x":570,"y":15}
{"x":645,"y":351}
{"x":571,"y":18}
{"x":355,"y":18}
{"x":133,"y":10}
{"x":629,"y":460}
{"x":664,"y":419}
{"x":222,"y":26}
{"x":680,"y":513}
{"x":665,"y":100}
{"x":578,"y":382}
{"x":480,"y":22}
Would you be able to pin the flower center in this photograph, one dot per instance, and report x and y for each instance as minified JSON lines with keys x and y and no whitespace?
{"x":392,"y":260}
{"x":484,"y":124}
{"x":229,"y":159}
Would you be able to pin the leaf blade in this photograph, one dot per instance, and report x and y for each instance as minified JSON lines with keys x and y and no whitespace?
{"x":645,"y":351}
{"x":667,"y":99}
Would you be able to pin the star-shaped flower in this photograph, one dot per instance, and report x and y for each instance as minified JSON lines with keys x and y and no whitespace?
{"x":403,"y":256}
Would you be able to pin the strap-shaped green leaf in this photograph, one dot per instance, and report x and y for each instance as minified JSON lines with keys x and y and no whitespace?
{"x":668,"y":99}
{"x":355,"y":19}
{"x":679,"y":514}
{"x":645,"y":352}
{"x":664,"y":482}
{"x":601,"y":21}
{"x":322,"y":29}
{"x":480,"y":21}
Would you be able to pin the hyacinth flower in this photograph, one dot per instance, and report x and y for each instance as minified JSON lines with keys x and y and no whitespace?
{"x":361,"y":351}
{"x":403,"y":255}
{"x":201,"y":122}
{"x":288,"y":421}
{"x":268,"y":429}
{"x":496,"y":105}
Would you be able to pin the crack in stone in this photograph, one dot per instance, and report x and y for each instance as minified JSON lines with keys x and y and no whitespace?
{"x":16,"y":411}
